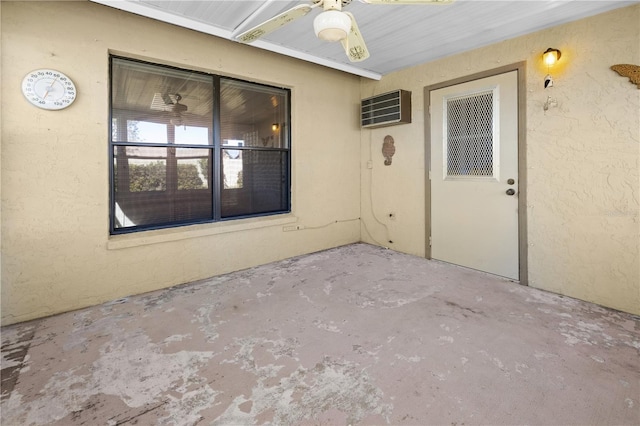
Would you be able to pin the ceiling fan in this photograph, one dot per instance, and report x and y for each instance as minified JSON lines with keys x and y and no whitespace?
{"x":170,"y":102}
{"x":331,"y":25}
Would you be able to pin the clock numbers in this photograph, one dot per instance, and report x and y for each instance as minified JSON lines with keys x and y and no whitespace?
{"x":49,"y":89}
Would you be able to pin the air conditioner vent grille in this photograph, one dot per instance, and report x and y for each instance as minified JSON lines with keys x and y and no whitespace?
{"x":387,"y":109}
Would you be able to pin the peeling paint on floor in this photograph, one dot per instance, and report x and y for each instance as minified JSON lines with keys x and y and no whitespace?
{"x":352,"y":335}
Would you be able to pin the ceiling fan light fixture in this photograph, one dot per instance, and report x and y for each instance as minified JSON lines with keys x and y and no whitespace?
{"x":332,"y":25}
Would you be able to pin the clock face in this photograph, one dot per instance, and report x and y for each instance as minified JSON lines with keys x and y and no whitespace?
{"x":48,"y":89}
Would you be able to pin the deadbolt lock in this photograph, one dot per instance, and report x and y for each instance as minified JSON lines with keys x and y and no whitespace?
{"x":511,"y":181}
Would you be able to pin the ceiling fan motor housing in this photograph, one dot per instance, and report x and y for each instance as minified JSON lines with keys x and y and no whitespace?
{"x":332,"y":25}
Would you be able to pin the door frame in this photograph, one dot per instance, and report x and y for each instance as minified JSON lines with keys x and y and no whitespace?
{"x":520,"y":67}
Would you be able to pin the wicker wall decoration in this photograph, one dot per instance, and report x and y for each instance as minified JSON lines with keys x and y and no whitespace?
{"x":630,"y":71}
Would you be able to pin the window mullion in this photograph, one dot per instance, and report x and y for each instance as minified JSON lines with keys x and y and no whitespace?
{"x":216,"y":172}
{"x":172,"y":162}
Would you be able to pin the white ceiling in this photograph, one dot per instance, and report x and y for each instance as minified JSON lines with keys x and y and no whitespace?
{"x":397,"y":36}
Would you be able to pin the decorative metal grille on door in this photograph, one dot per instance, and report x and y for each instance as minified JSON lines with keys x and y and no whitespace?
{"x":469,"y":140}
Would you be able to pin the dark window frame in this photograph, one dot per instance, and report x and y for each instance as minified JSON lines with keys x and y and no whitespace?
{"x":215,"y":155}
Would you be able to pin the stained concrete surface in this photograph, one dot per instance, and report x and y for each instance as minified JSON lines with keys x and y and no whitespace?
{"x":353,"y":335}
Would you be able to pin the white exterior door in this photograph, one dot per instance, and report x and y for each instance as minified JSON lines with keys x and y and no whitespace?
{"x":474,"y":174}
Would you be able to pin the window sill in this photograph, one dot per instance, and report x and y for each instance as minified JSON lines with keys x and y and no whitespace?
{"x":143,"y":238}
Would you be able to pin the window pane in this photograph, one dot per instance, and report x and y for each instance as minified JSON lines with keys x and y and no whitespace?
{"x":150,"y":97}
{"x":155,"y":186}
{"x":263,"y":186}
{"x":256,"y":115}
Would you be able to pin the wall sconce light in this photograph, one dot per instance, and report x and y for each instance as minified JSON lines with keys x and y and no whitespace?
{"x":550,"y":57}
{"x":275,"y":127}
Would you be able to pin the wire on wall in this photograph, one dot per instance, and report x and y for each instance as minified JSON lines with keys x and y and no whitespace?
{"x":371,"y":203}
{"x":331,"y":223}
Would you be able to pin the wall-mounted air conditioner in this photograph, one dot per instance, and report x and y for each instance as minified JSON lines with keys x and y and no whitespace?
{"x":387,"y":109}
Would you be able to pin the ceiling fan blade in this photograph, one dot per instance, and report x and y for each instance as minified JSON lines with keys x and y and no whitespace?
{"x":354,"y":44}
{"x":408,"y":1}
{"x":274,"y":23}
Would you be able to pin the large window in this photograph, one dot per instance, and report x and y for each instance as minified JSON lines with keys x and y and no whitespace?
{"x":189,"y":147}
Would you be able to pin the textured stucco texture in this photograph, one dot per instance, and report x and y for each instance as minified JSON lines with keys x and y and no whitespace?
{"x":581,"y":176}
{"x":581,"y":168}
{"x":57,"y":254}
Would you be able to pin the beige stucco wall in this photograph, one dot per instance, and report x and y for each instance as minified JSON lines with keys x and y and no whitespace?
{"x":582,"y":158}
{"x":56,"y":251}
{"x":582,"y":161}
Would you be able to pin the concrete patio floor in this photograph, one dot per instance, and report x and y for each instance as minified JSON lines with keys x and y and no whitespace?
{"x":352,"y":335}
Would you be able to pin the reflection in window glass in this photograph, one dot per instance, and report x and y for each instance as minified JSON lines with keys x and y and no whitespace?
{"x":146,"y":131}
{"x":232,"y":165}
{"x":140,"y":169}
{"x":147,"y":175}
{"x":232,"y":153}
{"x":166,"y":169}
{"x":192,"y":168}
{"x":189,"y":176}
{"x":262,"y":190}
{"x":268,"y":108}
{"x":192,"y":135}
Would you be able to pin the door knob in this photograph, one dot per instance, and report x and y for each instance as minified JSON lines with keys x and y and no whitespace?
{"x":510,"y":191}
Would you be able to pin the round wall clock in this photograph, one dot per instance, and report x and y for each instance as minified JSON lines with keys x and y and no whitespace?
{"x":48,"y":89}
